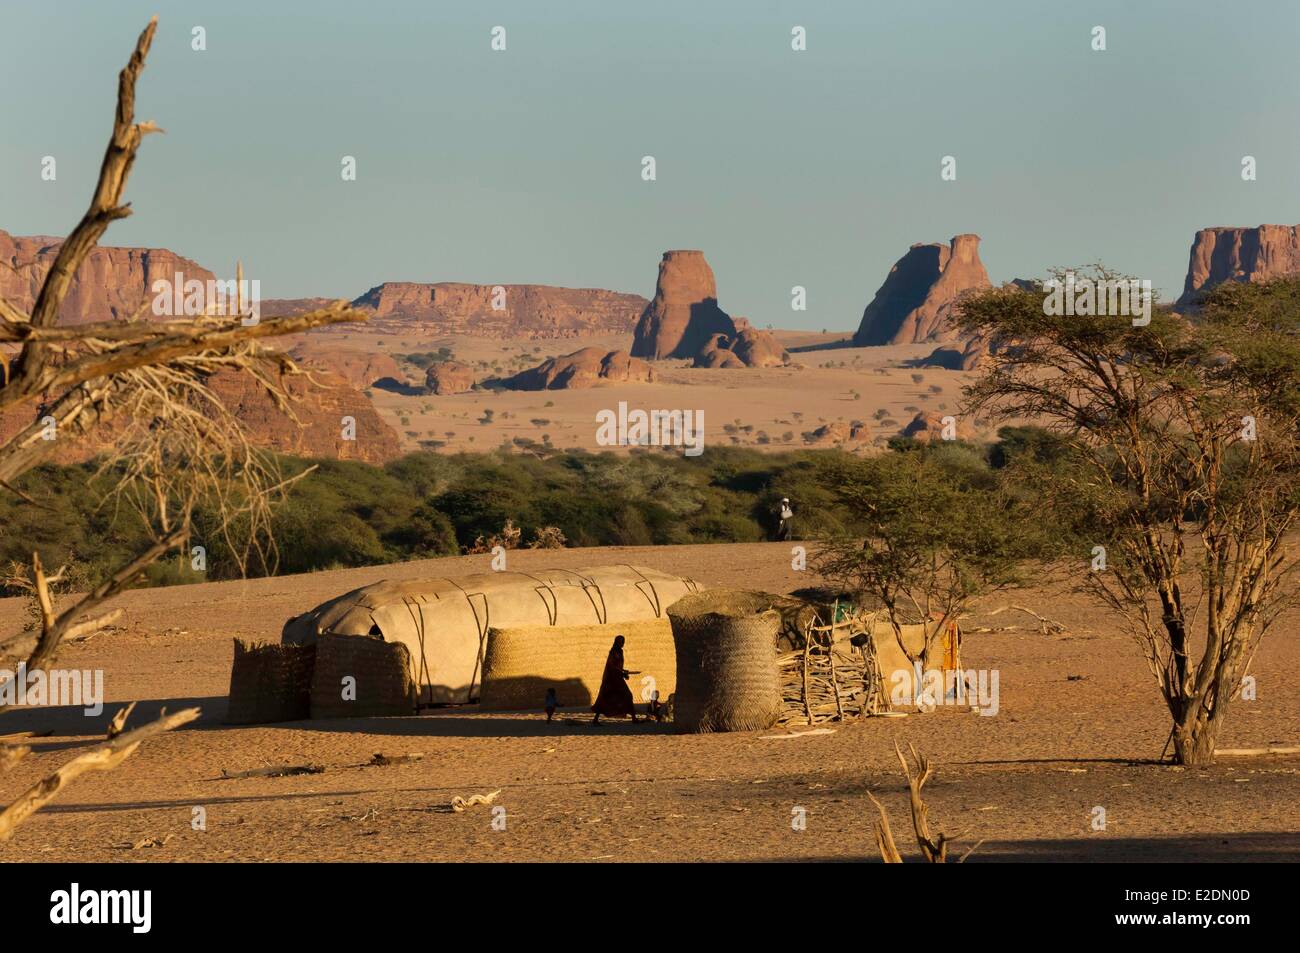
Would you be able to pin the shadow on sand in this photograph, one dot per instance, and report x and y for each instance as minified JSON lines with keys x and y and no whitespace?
{"x":394,"y":386}
{"x":1181,"y":848}
{"x":468,"y":723}
{"x":68,"y":727}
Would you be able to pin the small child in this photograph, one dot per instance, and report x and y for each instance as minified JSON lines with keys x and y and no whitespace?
{"x":551,"y":703}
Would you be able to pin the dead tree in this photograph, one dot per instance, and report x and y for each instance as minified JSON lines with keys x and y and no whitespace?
{"x":176,"y":445}
{"x":934,"y":850}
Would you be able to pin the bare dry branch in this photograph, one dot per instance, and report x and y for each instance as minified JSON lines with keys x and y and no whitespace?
{"x":103,"y":758}
{"x":123,"y":352}
{"x":53,"y":629}
{"x":118,"y":722}
{"x":105,"y":208}
{"x":934,"y":850}
{"x":885,"y":836}
{"x":1045,"y":625}
{"x":10,"y":315}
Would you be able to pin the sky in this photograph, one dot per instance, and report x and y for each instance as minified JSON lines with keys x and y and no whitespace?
{"x":815,"y":168}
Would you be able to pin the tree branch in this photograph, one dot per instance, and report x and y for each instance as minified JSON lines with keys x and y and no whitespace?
{"x":105,"y":206}
{"x":55,"y":628}
{"x":103,"y":758}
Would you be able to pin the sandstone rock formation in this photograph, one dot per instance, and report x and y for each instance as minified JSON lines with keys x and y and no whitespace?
{"x":971,"y":352}
{"x":716,"y":352}
{"x":279,"y":307}
{"x":115,"y":282}
{"x":448,"y":377}
{"x":111,"y":283}
{"x":528,"y":311}
{"x":580,"y":369}
{"x":749,"y":348}
{"x":916,"y":301}
{"x":839,"y":434}
{"x":975,"y":353}
{"x":684,"y":321}
{"x":930,"y":426}
{"x":684,"y":314}
{"x":965,"y":354}
{"x":1240,"y":254}
{"x":320,"y":409}
{"x":946,"y":356}
{"x":759,"y":349}
{"x":360,"y":368}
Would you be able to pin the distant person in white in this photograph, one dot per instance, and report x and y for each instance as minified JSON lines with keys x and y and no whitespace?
{"x":784,"y":531}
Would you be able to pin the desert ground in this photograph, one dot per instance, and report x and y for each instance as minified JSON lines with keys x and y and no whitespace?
{"x":1080,"y":726}
{"x":770,"y":407}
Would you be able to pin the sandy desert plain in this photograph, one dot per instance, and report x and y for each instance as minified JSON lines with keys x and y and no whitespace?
{"x":1079,"y":726}
{"x":769,"y":407}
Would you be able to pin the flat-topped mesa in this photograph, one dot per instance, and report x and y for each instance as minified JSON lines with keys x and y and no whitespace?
{"x":915,"y":304}
{"x":583,"y":368}
{"x":684,"y":314}
{"x":111,"y":282}
{"x":515,"y":311}
{"x":1240,"y":254}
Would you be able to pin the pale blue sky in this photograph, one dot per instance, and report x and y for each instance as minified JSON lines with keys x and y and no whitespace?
{"x":816,"y":168}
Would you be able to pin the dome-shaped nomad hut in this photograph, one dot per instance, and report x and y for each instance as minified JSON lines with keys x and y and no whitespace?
{"x":444,"y":622}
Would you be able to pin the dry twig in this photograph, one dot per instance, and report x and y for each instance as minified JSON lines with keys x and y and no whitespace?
{"x":105,"y":757}
{"x":461,"y":804}
{"x":118,"y":723}
{"x":934,"y":850}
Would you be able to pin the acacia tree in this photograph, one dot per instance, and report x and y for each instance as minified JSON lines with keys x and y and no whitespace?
{"x":145,"y":383}
{"x":1181,"y":471}
{"x":924,"y":538}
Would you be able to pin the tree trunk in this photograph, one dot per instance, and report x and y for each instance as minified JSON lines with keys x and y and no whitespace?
{"x":1194,"y":745}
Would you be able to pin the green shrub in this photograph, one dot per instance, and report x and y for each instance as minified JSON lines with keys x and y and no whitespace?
{"x":430,"y":504}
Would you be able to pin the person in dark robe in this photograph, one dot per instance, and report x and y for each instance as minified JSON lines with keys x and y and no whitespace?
{"x":614,"y":698}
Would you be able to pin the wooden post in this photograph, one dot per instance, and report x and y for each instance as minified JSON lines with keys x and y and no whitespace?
{"x":835,"y":681}
{"x":807,"y":644}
